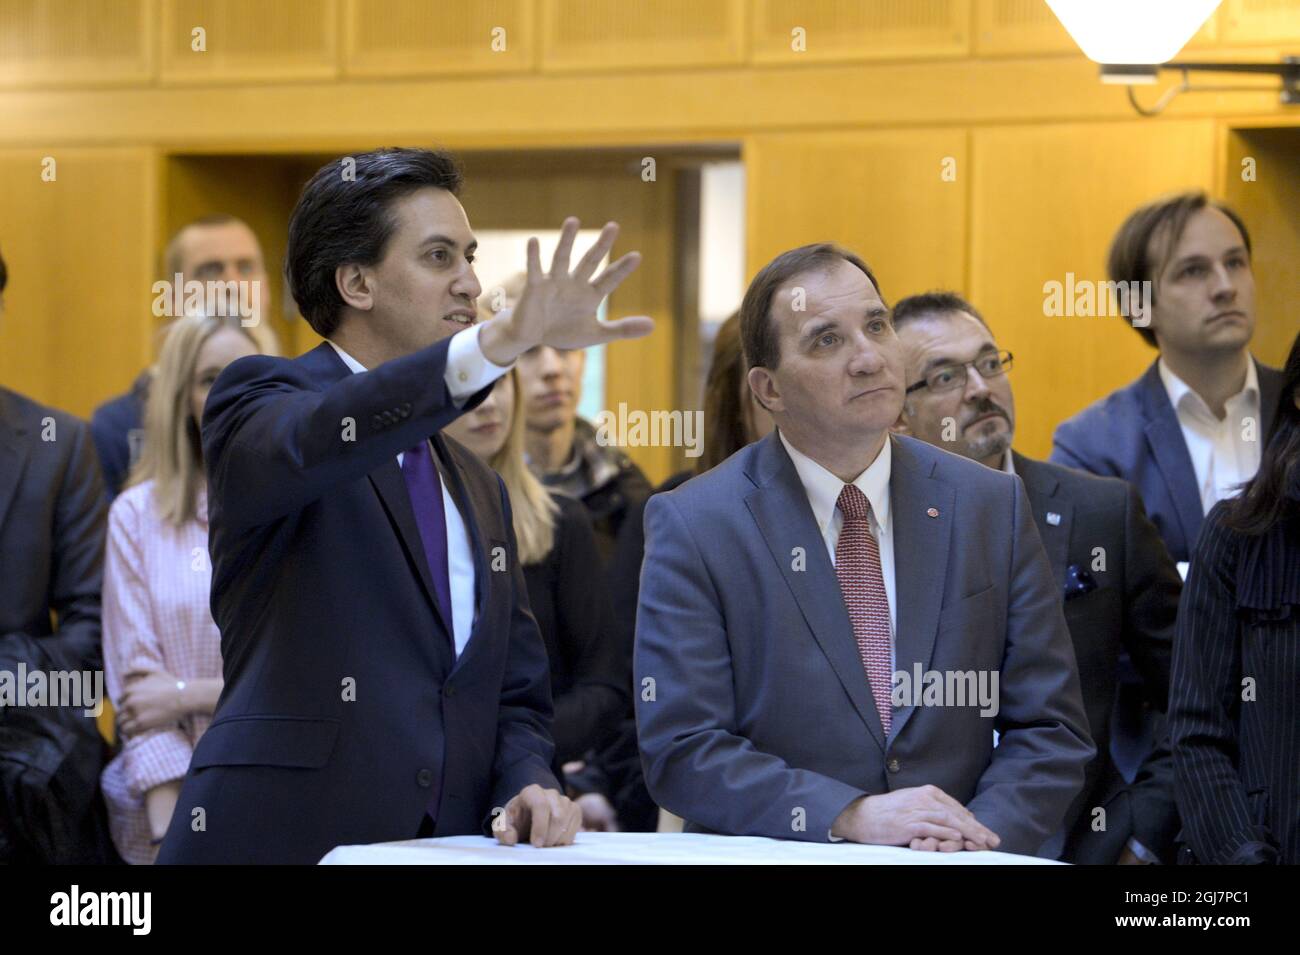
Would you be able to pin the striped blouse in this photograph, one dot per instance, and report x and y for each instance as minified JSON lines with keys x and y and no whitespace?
{"x":156,"y":616}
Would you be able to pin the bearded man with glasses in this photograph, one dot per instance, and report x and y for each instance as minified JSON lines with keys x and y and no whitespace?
{"x":1118,"y":584}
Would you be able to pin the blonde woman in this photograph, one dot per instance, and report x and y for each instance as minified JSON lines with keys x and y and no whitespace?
{"x":566,"y":586}
{"x":162,"y":650}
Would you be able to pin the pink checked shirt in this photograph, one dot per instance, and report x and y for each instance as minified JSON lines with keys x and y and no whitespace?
{"x":156,"y":616}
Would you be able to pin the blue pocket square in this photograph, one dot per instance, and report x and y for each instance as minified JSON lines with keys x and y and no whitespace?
{"x":1078,"y":582}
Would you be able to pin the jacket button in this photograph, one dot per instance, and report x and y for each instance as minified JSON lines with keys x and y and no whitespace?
{"x":893,"y":765}
{"x":449,"y":691}
{"x":424,"y":778}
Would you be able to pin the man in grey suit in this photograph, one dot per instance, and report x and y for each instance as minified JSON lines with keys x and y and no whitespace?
{"x":834,"y":622}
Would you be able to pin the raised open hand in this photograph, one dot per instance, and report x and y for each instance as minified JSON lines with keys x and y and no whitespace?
{"x":558,"y":308}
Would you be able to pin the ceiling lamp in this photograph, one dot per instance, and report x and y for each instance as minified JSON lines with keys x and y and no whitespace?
{"x":1134,"y":39}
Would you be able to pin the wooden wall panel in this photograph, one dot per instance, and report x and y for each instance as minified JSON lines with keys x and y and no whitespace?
{"x":77,"y":311}
{"x":77,"y":42}
{"x":882,"y":194}
{"x":1046,"y":202}
{"x":249,"y":40}
{"x":616,"y":35}
{"x":859,"y":29}
{"x":1270,"y":205}
{"x":417,"y":38}
{"x":1260,"y":21}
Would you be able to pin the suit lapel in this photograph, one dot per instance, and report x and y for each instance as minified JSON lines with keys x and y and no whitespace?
{"x":1169,"y":449}
{"x":470,"y":501}
{"x":13,"y":455}
{"x":780,"y":508}
{"x":1041,"y":488}
{"x":920,"y":560}
{"x":326,"y":367}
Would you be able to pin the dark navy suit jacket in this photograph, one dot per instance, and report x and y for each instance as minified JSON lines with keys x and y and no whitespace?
{"x":1133,"y":433}
{"x":1126,"y":601}
{"x":345,"y":711}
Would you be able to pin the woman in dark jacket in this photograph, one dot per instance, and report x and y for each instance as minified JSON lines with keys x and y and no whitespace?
{"x":1234,"y":707}
{"x":566,"y":587}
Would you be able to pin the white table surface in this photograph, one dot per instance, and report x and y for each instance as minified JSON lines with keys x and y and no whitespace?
{"x":651,"y":848}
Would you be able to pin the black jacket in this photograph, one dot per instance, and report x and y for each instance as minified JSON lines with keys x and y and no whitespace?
{"x":1088,"y":523}
{"x":1234,"y":710}
{"x":607,"y":482}
{"x":616,"y":770}
{"x":52,"y":522}
{"x":569,"y":599}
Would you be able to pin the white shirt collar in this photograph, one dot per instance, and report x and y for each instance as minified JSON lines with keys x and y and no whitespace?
{"x":823,"y":488}
{"x":353,"y":365}
{"x":1008,"y":463}
{"x":1183,"y":398}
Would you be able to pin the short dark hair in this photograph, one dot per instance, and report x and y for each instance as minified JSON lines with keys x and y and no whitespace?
{"x":760,"y":341}
{"x":1128,"y":261}
{"x":344,"y":215}
{"x":4,"y":274}
{"x":930,"y":303}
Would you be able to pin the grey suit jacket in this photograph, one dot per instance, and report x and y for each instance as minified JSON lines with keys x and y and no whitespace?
{"x":754,"y":712}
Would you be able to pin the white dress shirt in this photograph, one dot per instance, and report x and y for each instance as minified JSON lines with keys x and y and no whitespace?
{"x":823,"y":490}
{"x":468,"y":370}
{"x":1221,"y":456}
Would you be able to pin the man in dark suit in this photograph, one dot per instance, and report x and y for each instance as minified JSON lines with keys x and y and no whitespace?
{"x":1120,"y":587}
{"x":383,"y":675}
{"x":1190,"y":429}
{"x":52,"y":521}
{"x":819,"y":613}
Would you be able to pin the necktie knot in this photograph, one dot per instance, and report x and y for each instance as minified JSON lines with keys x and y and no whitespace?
{"x":853,"y":504}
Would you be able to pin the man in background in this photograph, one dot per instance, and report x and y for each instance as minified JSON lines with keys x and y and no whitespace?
{"x":216,"y":248}
{"x":1119,"y":587}
{"x":1190,"y":430}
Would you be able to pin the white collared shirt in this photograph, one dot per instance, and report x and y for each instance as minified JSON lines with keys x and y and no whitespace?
{"x":467,"y":371}
{"x":823,"y":490}
{"x":1222,"y":456}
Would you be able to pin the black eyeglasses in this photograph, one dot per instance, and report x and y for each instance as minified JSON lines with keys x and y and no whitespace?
{"x":951,"y":377}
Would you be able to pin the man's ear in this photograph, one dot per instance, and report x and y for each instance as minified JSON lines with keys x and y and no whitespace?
{"x":901,"y":426}
{"x":763,"y":385}
{"x":354,"y":286}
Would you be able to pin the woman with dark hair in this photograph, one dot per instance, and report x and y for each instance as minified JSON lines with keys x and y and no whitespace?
{"x":1234,"y":707}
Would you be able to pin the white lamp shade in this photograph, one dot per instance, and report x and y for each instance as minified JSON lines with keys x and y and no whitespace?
{"x":1132,"y":31}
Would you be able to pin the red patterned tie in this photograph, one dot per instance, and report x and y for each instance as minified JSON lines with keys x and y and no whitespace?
{"x":857,"y":565}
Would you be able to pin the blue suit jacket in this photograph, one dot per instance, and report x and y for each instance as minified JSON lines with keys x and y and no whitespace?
{"x":344,"y":710}
{"x":1133,"y":433}
{"x":759,"y":719}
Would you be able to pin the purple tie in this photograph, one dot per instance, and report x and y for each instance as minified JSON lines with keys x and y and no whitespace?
{"x":425,"y":488}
